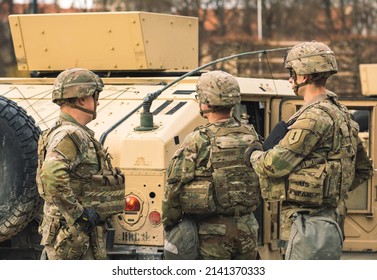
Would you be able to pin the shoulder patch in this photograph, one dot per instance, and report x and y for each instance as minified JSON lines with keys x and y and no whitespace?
{"x":70,"y":141}
{"x":67,"y":148}
{"x":297,"y":134}
{"x":296,"y":131}
{"x":294,"y":136}
{"x":78,"y":140}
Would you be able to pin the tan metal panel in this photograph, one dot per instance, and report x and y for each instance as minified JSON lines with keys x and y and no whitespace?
{"x":368,"y":79}
{"x":105,"y":41}
{"x":19,"y":48}
{"x":175,"y":47}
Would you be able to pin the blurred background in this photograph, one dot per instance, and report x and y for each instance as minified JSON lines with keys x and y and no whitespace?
{"x":227,"y":27}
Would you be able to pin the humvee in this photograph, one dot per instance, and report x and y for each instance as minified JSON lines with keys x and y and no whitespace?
{"x":149,"y":64}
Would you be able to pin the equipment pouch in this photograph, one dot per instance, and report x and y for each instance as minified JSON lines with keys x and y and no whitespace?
{"x":107,"y":193}
{"x":332,"y":182}
{"x":306,"y":185}
{"x":314,"y":238}
{"x":71,"y":243}
{"x":48,"y":229}
{"x":182,"y":241}
{"x":97,"y":240}
{"x":197,"y":197}
{"x":273,"y":189}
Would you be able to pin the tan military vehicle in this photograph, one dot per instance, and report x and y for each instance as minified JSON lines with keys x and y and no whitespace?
{"x":145,"y":112}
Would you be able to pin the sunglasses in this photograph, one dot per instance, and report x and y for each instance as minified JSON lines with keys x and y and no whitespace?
{"x":292,"y":73}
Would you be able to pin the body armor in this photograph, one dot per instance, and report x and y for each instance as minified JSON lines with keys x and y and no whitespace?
{"x":226,"y":185}
{"x":326,"y":180}
{"x":93,"y":180}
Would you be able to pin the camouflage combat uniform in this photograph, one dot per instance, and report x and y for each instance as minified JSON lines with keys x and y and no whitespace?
{"x":310,"y":170}
{"x":209,"y":182}
{"x":74,"y":173}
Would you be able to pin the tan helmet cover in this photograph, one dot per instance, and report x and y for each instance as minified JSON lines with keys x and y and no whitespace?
{"x":311,"y":57}
{"x":76,"y":83}
{"x":218,"y":88}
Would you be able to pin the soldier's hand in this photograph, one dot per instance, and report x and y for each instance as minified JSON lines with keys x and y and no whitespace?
{"x":254,"y":146}
{"x":89,"y":218}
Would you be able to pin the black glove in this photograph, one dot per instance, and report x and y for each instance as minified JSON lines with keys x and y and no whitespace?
{"x":254,"y":146}
{"x":89,"y":218}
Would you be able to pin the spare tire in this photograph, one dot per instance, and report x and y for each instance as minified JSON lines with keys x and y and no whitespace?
{"x":19,"y":198}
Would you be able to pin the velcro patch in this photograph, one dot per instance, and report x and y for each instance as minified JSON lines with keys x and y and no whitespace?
{"x":294,"y":136}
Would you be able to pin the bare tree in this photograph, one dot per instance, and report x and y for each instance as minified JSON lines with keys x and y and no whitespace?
{"x":364,"y":14}
{"x":328,"y":11}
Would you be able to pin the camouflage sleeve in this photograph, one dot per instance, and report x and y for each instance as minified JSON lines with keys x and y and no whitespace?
{"x":363,"y":165}
{"x":181,"y":170}
{"x":171,"y":208}
{"x":301,"y":139}
{"x":55,"y":177}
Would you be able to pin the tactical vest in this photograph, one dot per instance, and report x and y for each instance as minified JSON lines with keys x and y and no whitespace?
{"x":231,"y":186}
{"x":325,"y":181}
{"x":101,"y":186}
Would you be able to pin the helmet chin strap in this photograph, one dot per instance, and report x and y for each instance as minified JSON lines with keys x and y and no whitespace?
{"x":297,"y":86}
{"x":93,"y":113}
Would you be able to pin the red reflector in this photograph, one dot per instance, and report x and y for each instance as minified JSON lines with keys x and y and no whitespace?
{"x":132,"y":203}
{"x":154,"y":218}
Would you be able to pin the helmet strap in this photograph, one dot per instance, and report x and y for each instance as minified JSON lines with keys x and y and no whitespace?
{"x":297,"y":86}
{"x":93,"y":113}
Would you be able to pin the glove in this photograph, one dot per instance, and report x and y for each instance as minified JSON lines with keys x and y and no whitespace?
{"x":89,"y":218}
{"x":254,"y":146}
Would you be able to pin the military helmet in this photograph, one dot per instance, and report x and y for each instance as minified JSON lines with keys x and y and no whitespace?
{"x":76,"y":83}
{"x":310,"y":58}
{"x":218,"y":88}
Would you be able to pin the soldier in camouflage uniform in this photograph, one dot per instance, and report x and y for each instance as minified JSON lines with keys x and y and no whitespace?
{"x":316,"y":163}
{"x":208,"y":180}
{"x":75,"y":178}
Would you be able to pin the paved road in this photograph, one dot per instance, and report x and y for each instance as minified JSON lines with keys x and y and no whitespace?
{"x":359,"y":256}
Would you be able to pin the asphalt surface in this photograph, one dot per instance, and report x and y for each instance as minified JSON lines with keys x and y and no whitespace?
{"x":359,"y":256}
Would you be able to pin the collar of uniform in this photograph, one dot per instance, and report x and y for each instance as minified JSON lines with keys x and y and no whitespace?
{"x":318,"y":98}
{"x":229,"y":122}
{"x":67,"y":117}
{"x":331,"y":94}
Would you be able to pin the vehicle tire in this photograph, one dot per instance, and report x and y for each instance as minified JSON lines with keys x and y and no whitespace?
{"x":19,"y":198}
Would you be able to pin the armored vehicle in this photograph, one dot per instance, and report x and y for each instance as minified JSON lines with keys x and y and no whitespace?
{"x":149,"y":64}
